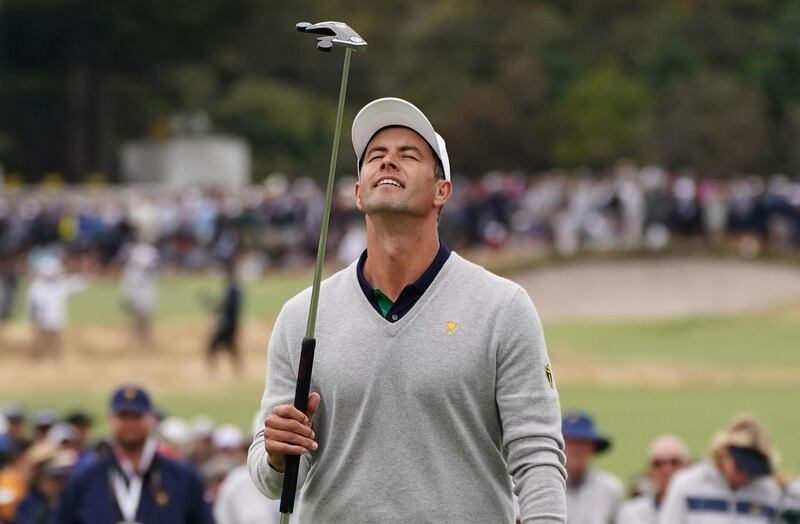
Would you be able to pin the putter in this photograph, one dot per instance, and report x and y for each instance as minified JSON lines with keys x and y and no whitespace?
{"x":333,"y":34}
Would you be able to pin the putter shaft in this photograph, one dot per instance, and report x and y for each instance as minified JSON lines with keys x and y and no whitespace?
{"x":307,"y":354}
{"x":326,"y":213}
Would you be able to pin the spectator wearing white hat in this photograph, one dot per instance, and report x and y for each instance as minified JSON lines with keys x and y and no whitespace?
{"x":175,"y":436}
{"x":229,"y":441}
{"x":65,"y":436}
{"x":668,"y":455}
{"x":202,"y":448}
{"x":139,"y":291}
{"x":238,"y":500}
{"x":47,"y":305}
{"x":43,"y":420}
{"x":735,"y":485}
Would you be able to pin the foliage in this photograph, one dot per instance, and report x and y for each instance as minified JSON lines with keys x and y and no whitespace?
{"x":709,"y":85}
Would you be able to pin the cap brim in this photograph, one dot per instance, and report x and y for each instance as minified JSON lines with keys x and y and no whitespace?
{"x":129,"y":408}
{"x":389,"y":112}
{"x":600,"y":442}
{"x":750,"y":461}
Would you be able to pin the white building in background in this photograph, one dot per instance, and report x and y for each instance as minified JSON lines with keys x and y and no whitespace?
{"x":205,"y":160}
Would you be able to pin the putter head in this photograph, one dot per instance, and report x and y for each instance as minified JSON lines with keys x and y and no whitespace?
{"x":333,"y":34}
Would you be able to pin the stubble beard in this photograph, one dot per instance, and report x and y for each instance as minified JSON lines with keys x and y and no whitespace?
{"x":382,"y":205}
{"x":130,"y":445}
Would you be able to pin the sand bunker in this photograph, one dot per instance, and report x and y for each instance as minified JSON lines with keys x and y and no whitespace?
{"x":664,"y":288}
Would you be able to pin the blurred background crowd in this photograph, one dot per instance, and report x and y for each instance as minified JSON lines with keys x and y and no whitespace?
{"x":277,"y":222}
{"x":40,"y":452}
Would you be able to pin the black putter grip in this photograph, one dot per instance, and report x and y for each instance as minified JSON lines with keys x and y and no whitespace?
{"x":301,"y":403}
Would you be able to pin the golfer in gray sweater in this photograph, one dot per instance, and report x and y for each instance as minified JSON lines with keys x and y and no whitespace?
{"x":432,"y":389}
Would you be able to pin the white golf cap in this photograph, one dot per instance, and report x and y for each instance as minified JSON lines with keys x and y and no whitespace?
{"x":228,"y":436}
{"x":386,"y":112}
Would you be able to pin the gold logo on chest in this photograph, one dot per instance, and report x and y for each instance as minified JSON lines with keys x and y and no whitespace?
{"x":451,"y":327}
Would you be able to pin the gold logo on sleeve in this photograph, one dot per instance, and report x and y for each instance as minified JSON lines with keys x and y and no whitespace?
{"x":548,"y":372}
{"x":451,"y":328}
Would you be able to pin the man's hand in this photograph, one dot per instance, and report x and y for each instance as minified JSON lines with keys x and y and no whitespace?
{"x":287,"y":431}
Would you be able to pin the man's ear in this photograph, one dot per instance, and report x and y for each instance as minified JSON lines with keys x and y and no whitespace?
{"x":443,"y":190}
{"x":357,"y":189}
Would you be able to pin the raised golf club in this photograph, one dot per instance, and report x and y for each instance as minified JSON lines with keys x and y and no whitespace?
{"x":333,"y":34}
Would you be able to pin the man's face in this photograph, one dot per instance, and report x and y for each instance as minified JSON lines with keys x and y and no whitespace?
{"x":735,"y":477}
{"x":16,"y":427}
{"x":397,"y":176}
{"x":83,"y":433}
{"x":579,"y":453}
{"x":130,"y":429}
{"x":662,"y":467}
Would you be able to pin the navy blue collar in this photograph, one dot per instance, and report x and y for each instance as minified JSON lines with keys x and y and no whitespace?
{"x":411,"y":293}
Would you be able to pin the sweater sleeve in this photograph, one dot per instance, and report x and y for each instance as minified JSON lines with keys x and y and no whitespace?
{"x":281,"y":380}
{"x":527,"y":401}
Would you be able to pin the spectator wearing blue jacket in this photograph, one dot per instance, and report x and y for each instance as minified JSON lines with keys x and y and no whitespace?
{"x":134,"y":483}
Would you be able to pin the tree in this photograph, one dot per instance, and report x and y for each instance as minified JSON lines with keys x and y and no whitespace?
{"x":603,"y":117}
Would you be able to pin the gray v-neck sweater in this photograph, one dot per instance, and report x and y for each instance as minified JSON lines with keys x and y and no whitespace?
{"x":426,"y":419}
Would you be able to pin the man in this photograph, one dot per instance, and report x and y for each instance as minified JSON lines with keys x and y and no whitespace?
{"x":135,"y":483}
{"x":735,"y":485}
{"x":13,"y":472}
{"x":43,"y":420}
{"x":238,"y":500}
{"x":593,"y":497}
{"x":82,"y":422}
{"x":225,"y":336}
{"x":9,"y":282}
{"x":50,"y":468}
{"x":47,"y":302}
{"x":16,"y":426}
{"x":202,"y":447}
{"x":139,"y":291}
{"x":431,"y":385}
{"x":668,"y":455}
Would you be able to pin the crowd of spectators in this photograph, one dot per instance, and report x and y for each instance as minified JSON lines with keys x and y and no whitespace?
{"x":278,"y":221}
{"x":738,"y":481}
{"x":44,"y":454}
{"x":41,"y":452}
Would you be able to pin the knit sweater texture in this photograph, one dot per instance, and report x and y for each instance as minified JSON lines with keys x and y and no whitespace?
{"x":427,"y":419}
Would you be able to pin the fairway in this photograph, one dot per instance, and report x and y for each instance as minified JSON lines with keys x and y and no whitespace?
{"x":640,"y":377}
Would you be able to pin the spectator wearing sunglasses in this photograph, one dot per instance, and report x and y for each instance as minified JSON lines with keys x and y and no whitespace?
{"x":668,"y":455}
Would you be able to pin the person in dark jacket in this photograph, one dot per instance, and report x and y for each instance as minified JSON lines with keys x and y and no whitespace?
{"x":228,"y":310}
{"x":134,"y":483}
{"x":51,"y":467}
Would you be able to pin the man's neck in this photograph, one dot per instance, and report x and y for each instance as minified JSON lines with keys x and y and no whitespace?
{"x":576,"y":478}
{"x":133,"y":456}
{"x":399,"y":251}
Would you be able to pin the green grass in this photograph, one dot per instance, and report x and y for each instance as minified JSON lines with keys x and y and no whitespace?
{"x":753,"y":341}
{"x":181,"y":297}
